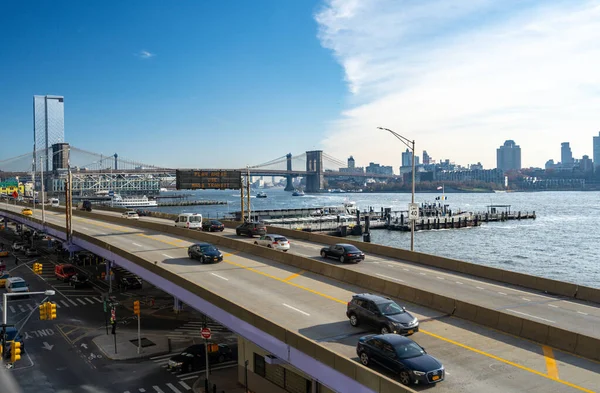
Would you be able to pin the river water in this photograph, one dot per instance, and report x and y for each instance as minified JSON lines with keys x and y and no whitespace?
{"x":563,"y":243}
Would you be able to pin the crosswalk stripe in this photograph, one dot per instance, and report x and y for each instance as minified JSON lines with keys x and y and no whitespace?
{"x":89,"y":300}
{"x":30,"y":307}
{"x":21,"y":308}
{"x":127,"y":391}
{"x":57,"y":305}
{"x":155,"y":358}
{"x":142,"y":390}
{"x":72,"y":302}
{"x":12,"y":309}
{"x":97,"y":299}
{"x":185,"y":385}
{"x":158,"y":390}
{"x":81,"y":301}
{"x":65,"y":303}
{"x":173,"y":388}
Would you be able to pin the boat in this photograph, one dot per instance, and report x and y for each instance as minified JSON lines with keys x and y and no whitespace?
{"x":261,"y":195}
{"x":162,"y":189}
{"x":130,"y":202}
{"x":298,"y":193}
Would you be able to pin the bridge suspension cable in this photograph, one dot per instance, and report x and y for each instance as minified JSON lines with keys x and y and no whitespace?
{"x":335,"y":161}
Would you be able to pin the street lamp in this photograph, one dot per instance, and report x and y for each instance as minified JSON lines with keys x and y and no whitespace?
{"x":411,"y":145}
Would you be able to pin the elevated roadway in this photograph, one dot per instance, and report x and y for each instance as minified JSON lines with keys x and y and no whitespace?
{"x":476,"y":358}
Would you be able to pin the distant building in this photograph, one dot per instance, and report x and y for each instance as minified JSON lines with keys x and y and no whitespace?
{"x":550,"y":164}
{"x":48,"y":128}
{"x":566,"y":155}
{"x":351,"y":162}
{"x":597,"y":152}
{"x":508,"y":156}
{"x":478,"y":166}
{"x":586,"y":164}
{"x":407,"y":159}
{"x":379,"y":169}
{"x":426,"y":158}
{"x":483,"y":175}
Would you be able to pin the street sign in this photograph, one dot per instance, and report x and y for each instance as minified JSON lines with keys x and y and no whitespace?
{"x":413,"y":211}
{"x":205,"y":333}
{"x":208,"y":179}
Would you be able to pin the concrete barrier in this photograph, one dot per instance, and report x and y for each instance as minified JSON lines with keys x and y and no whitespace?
{"x":588,"y":294}
{"x":588,"y":347}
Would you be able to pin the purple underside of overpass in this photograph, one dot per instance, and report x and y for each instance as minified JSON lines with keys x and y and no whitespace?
{"x":318,"y":371}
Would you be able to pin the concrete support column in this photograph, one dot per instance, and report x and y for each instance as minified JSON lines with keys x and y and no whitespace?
{"x":177,"y":305}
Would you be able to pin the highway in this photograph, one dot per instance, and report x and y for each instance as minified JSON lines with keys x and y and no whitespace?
{"x":476,"y":359}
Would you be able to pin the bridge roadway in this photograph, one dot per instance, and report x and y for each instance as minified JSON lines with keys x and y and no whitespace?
{"x":477,"y":359}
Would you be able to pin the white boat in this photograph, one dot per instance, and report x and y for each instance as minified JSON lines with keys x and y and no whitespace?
{"x":261,"y":195}
{"x":162,"y":189}
{"x":298,"y":193}
{"x":132,"y":202}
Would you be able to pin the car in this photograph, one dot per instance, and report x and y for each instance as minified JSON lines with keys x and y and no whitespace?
{"x":16,"y":285}
{"x":79,"y":280}
{"x":381,"y":313}
{"x":130,"y":214}
{"x":32,"y":252}
{"x":343,"y":252}
{"x":276,"y":242}
{"x":194,"y":357}
{"x":251,"y":229}
{"x":205,"y":252}
{"x":189,"y":221}
{"x":64,"y":271}
{"x":27,"y":212}
{"x":3,"y":253}
{"x":142,"y":213}
{"x":130,"y":282}
{"x":18,"y":246}
{"x":213,"y":226}
{"x":3,"y":278}
{"x":402,"y":356}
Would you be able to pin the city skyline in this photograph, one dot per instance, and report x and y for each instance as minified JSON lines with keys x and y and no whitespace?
{"x":321,"y":82}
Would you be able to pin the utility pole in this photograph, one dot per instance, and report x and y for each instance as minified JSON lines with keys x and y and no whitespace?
{"x":68,"y":202}
{"x":248,"y":193}
{"x":242,"y":211}
{"x":43,"y":209}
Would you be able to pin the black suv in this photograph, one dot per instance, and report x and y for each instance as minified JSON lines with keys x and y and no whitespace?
{"x":251,"y":229}
{"x":381,"y":313}
{"x":212,"y":226}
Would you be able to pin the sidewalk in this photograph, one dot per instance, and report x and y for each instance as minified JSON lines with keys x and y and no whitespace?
{"x":225,"y":379}
{"x":127,"y":341}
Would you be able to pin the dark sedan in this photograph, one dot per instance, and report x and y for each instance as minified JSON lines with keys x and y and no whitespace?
{"x":205,"y":253}
{"x":343,"y":252}
{"x":213,"y":226}
{"x":130,"y":282}
{"x":79,"y":280}
{"x":402,"y":356}
{"x":194,"y":357}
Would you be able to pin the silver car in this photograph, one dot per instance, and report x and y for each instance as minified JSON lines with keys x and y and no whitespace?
{"x":277,"y":242}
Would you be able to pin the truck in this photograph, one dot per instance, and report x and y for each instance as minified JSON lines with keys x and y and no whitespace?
{"x":85,"y":205}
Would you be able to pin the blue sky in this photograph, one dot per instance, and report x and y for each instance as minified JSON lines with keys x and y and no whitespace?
{"x":186,"y":83}
{"x":231,"y":83}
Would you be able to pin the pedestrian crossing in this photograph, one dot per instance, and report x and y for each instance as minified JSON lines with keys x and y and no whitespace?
{"x":163,"y":360}
{"x":21,"y":306}
{"x":175,"y":387}
{"x":193,"y":329}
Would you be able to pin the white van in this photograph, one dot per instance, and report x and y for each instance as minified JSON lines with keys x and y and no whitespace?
{"x":189,"y":220}
{"x":16,"y":285}
{"x":54,"y":202}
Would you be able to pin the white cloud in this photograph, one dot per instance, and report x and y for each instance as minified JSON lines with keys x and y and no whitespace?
{"x":461,"y":77}
{"x":144,"y":54}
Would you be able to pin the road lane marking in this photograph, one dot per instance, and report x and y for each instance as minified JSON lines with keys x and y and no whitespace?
{"x":167,"y":256}
{"x":65,"y":303}
{"x":30,"y":307}
{"x":221,"y":277}
{"x":552,"y":305}
{"x":527,"y":300}
{"x":72,"y":302}
{"x":142,"y":390}
{"x":458,"y":282}
{"x":291,"y":277}
{"x":479,"y":288}
{"x":173,"y":388}
{"x":81,"y":301}
{"x":530,"y":316}
{"x":582,"y":313}
{"x":406,"y":270}
{"x":502,"y":293}
{"x":390,"y":278}
{"x":295,"y":309}
{"x":550,"y":362}
{"x":89,"y":300}
{"x":391,"y":266}
{"x":135,"y":244}
{"x":97,"y":299}
{"x":185,"y":385}
{"x":12,"y":309}
{"x":423,"y":274}
{"x":158,"y":390}
{"x":440,"y":278}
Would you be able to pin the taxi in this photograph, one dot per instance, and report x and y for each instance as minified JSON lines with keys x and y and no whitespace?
{"x":4,"y":253}
{"x":27,"y":212}
{"x":3,"y":278}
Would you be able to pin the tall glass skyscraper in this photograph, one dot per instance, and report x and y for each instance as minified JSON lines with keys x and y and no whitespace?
{"x":48,"y":128}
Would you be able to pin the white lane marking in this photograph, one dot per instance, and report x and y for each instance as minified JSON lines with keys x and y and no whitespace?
{"x":552,"y":305}
{"x":30,"y":307}
{"x":440,"y":278}
{"x":161,"y":357}
{"x":12,"y":309}
{"x":478,"y":287}
{"x":406,"y":270}
{"x":173,"y":388}
{"x":142,"y":390}
{"x":458,"y":282}
{"x":65,"y":303}
{"x":423,"y":274}
{"x":582,"y":313}
{"x":167,"y":256}
{"x":135,"y":244}
{"x":581,"y":305}
{"x":390,"y":265}
{"x":185,"y":385}
{"x":502,"y":293}
{"x":527,"y":300}
{"x":391,"y":278}
{"x":375,"y":262}
{"x":127,"y":391}
{"x":159,"y":390}
{"x":72,"y":302}
{"x":221,"y":277}
{"x":57,"y":305}
{"x":89,"y":300}
{"x":81,"y":301}
{"x":295,"y":309}
{"x":97,"y":299}
{"x":86,"y":228}
{"x":531,"y":316}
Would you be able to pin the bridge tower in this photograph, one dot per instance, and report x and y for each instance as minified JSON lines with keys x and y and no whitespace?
{"x":116,"y":161}
{"x":289,"y":186}
{"x":314,"y":164}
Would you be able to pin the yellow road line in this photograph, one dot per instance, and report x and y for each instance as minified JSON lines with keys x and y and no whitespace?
{"x":550,"y":362}
{"x":294,"y":276}
{"x":161,"y":240}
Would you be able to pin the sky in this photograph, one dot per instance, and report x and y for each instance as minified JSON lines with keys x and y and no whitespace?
{"x":232,"y":83}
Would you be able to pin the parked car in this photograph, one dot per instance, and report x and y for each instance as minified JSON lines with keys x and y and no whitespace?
{"x":32,"y":252}
{"x":130,"y":282}
{"x":251,"y":229}
{"x":142,"y":213}
{"x":16,"y":285}
{"x":205,"y":252}
{"x":130,"y":214}
{"x":213,"y":226}
{"x":79,"y":280}
{"x":381,"y":313}
{"x":64,"y":271}
{"x":194,"y":357}
{"x":276,"y":242}
{"x":343,"y":252}
{"x":27,"y":212}
{"x":402,"y":356}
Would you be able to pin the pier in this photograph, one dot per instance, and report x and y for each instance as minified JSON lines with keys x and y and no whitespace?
{"x":191,"y":203}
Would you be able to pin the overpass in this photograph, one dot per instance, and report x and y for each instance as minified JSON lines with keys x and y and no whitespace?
{"x":300,"y":319}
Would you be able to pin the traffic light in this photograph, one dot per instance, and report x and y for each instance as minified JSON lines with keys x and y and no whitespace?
{"x":15,"y":351}
{"x":37,"y":268}
{"x":136,"y":307}
{"x":43,"y":312}
{"x":51,"y":310}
